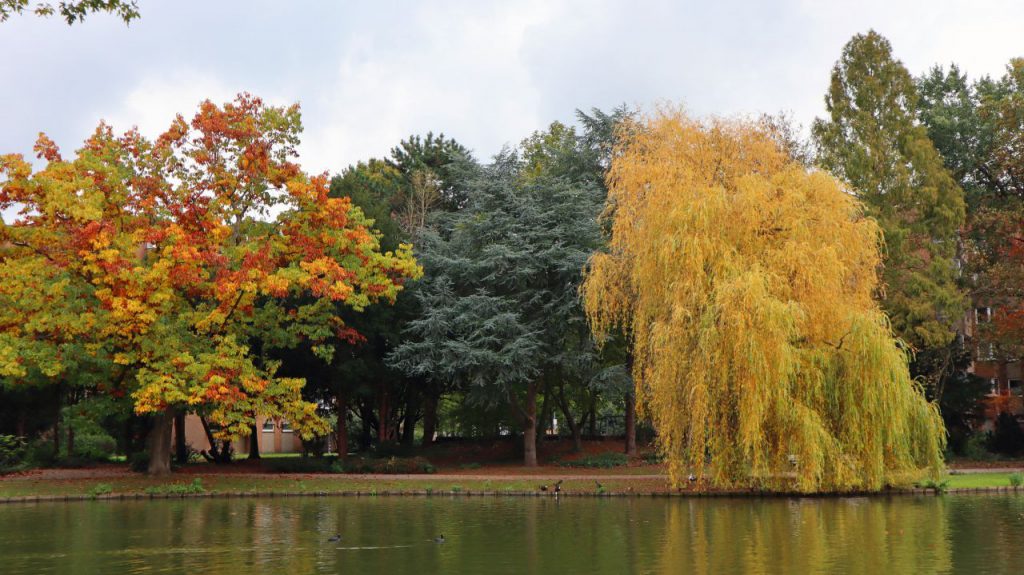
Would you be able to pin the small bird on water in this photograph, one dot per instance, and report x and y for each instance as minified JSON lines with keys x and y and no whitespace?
{"x":334,"y":538}
{"x":439,"y":539}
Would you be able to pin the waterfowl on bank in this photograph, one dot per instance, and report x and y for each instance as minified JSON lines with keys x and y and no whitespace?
{"x":543,"y":487}
{"x":439,"y":539}
{"x":558,"y":486}
{"x":334,"y":538}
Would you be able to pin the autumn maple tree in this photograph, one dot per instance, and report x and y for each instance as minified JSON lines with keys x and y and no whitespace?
{"x":746,"y":283}
{"x":163,"y":259}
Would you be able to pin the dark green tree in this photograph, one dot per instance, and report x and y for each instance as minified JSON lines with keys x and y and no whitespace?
{"x":499,"y":297}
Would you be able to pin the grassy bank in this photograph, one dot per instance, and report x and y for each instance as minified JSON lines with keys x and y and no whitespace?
{"x":290,"y":484}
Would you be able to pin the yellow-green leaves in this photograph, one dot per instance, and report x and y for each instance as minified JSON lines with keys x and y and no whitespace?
{"x":746,"y":283}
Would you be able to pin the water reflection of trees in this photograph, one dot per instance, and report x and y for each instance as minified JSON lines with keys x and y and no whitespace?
{"x":857,"y":535}
{"x":517,"y":535}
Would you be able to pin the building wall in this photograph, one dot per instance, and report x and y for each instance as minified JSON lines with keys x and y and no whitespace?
{"x":274,"y":437}
{"x":1005,"y":375}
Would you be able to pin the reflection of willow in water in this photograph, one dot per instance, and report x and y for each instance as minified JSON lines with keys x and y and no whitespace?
{"x":856,"y":535}
{"x":517,"y":535}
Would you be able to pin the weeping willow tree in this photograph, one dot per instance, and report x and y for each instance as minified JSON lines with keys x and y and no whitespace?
{"x":746,"y":283}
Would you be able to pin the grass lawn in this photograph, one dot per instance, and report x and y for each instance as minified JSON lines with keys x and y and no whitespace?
{"x":311,"y":484}
{"x":186,"y":483}
{"x":975,"y":480}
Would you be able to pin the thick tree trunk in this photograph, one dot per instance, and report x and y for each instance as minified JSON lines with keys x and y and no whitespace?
{"x":160,"y":444}
{"x":530,"y":427}
{"x":631,"y":424}
{"x":429,"y":418}
{"x":254,"y":442}
{"x":71,"y":440}
{"x":341,"y":432}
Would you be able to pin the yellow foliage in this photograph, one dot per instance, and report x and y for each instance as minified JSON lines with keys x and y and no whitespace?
{"x":745,"y":282}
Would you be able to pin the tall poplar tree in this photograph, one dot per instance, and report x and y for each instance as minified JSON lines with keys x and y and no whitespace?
{"x":872,"y":140}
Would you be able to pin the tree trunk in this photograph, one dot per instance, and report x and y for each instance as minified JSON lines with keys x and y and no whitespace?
{"x":341,"y":432}
{"x":71,"y":440}
{"x":530,"y":427}
{"x":409,"y":422}
{"x":254,"y":442}
{"x":593,"y":416}
{"x":383,"y":416}
{"x":56,"y":424}
{"x":631,"y":424}
{"x":429,"y":418}
{"x":544,"y":421}
{"x":574,"y":426}
{"x":160,"y":443}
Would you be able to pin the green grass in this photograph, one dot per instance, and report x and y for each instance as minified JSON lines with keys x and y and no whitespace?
{"x":180,"y":484}
{"x":976,"y":480}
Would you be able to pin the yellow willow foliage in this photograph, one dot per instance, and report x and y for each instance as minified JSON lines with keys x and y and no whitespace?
{"x":746,"y":282}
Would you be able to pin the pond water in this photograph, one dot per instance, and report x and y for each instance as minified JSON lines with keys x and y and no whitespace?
{"x":950,"y":534}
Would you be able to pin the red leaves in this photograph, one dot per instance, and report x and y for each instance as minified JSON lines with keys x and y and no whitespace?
{"x":45,"y":148}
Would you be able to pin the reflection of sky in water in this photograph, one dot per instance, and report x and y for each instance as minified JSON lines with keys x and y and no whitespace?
{"x":513,"y":535}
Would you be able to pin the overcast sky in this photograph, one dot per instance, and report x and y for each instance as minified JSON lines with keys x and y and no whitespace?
{"x":487,"y":73}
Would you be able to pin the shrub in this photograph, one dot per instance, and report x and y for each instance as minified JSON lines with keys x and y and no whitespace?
{"x":391,"y":465}
{"x":139,"y":461}
{"x":1017,"y":479}
{"x":74,"y":462}
{"x":601,"y":460}
{"x":652,"y":458}
{"x":298,"y":464}
{"x":40,"y":453}
{"x":95,"y":447}
{"x":393,"y":449}
{"x":1008,"y":437}
{"x":178,"y":488}
{"x":101,"y":489}
{"x":976,"y":447}
{"x":473,"y":465}
{"x":12,"y":453}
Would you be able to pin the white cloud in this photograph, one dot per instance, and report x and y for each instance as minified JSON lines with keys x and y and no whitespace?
{"x":152,"y":103}
{"x":458,"y":70}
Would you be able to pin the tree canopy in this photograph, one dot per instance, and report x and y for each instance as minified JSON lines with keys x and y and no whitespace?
{"x":72,"y":11}
{"x":872,"y":140}
{"x":160,"y":260}
{"x":746,"y":283}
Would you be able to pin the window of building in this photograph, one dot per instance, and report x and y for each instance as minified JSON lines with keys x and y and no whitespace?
{"x":988,"y":351}
{"x":1015,"y":387}
{"x":268,"y":425}
{"x":286,"y":427}
{"x":983,"y":314}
